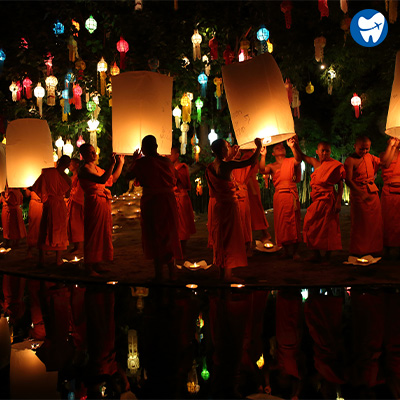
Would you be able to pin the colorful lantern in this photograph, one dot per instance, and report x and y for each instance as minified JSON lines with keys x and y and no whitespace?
{"x":319,"y":44}
{"x":218,"y":91}
{"x":14,"y":90}
{"x":102,"y":69}
{"x":68,"y":148}
{"x":39,"y":93}
{"x":270,"y":46}
{"x":323,"y":8}
{"x":244,"y":50}
{"x":296,"y":103}
{"x":2,"y":59}
{"x":27,"y":83}
{"x":91,"y":106}
{"x":77,"y":90}
{"x":114,"y":70}
{"x":393,"y":117}
{"x":183,"y":137}
{"x":122,"y":47}
{"x":49,"y":63}
{"x":202,"y":79}
{"x":177,"y":113}
{"x":207,"y":66}
{"x":186,"y":108}
{"x":80,"y":141}
{"x":76,"y":26}
{"x":93,"y":124}
{"x":59,"y":144}
{"x":19,"y":86}
{"x":213,"y":44}
{"x":73,"y":49}
{"x":205,"y":374}
{"x":58,"y":28}
{"x":262,"y":36}
{"x":199,"y":104}
{"x":356,"y":103}
{"x":309,"y":88}
{"x":196,"y":40}
{"x":195,"y":147}
{"x":65,"y":96}
{"x":286,"y":8}
{"x":91,"y":24}
{"x":51,"y":84}
{"x":212,"y":136}
{"x":229,"y":55}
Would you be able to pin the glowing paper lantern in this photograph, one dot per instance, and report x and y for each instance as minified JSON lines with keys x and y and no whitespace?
{"x":393,"y":118}
{"x":91,"y":24}
{"x":77,"y":90}
{"x":29,"y":149}
{"x":51,"y":84}
{"x":196,"y":40}
{"x":114,"y":70}
{"x":93,"y":124}
{"x":183,"y":137}
{"x":102,"y":69}
{"x":68,"y":148}
{"x":2,"y":59}
{"x":258,"y":101}
{"x":91,"y":106}
{"x":141,"y":106}
{"x":58,"y":28}
{"x":122,"y":47}
{"x":202,"y":79}
{"x":27,"y":83}
{"x":199,"y":104}
{"x":65,"y":96}
{"x":177,"y":113}
{"x":14,"y":91}
{"x":39,"y":93}
{"x":212,"y":136}
{"x":356,"y":103}
{"x":59,"y":144}
{"x":309,"y":88}
{"x":319,"y":44}
{"x":186,"y":107}
{"x":262,"y":36}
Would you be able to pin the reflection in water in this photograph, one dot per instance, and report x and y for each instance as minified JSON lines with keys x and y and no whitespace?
{"x":113,"y":341}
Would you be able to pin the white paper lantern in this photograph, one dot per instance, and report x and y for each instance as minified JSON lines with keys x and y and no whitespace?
{"x":258,"y":101}
{"x":393,"y":118}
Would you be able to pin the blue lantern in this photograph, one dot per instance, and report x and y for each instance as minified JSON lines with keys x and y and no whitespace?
{"x":65,"y":96}
{"x":263,"y":36}
{"x":58,"y":28}
{"x":203,"y":79}
{"x":2,"y":58}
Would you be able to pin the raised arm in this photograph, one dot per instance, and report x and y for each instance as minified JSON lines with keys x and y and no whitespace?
{"x":131,"y":174}
{"x":120,"y":164}
{"x":294,"y":146}
{"x":388,"y":155}
{"x":86,"y":173}
{"x":230,"y":165}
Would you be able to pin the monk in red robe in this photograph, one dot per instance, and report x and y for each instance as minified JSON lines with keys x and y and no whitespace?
{"x":390,"y":197}
{"x":97,"y":208}
{"x":34,"y":218}
{"x":11,"y":217}
{"x":285,"y":173}
{"x":366,"y":234}
{"x":75,"y":210}
{"x":226,"y":226}
{"x":51,"y":186}
{"x":321,"y":229}
{"x":159,"y":211}
{"x":186,"y":225}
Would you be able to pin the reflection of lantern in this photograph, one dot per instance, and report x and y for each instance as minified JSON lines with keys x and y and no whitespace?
{"x":51,"y":83}
{"x":91,"y":24}
{"x":68,"y":148}
{"x":202,"y":79}
{"x":14,"y":91}
{"x":186,"y":108}
{"x":102,"y":69}
{"x":58,"y":28}
{"x":199,"y":104}
{"x":262,"y":36}
{"x":73,"y":49}
{"x":59,"y":144}
{"x":356,"y":103}
{"x":183,"y":138}
{"x":309,"y":88}
{"x":39,"y":93}
{"x":212,"y":136}
{"x":196,"y":40}
{"x":319,"y":44}
{"x":27,"y":83}
{"x":122,"y":47}
{"x":393,"y":117}
{"x":176,"y":112}
{"x":258,"y":101}
{"x":114,"y":70}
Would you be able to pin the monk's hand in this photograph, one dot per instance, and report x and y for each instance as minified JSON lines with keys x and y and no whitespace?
{"x":121,"y":158}
{"x":113,"y":160}
{"x":291,"y":142}
{"x":263,"y":151}
{"x":136,"y":154}
{"x":258,"y":143}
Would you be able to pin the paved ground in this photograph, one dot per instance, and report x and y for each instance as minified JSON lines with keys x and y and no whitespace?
{"x":264,"y":270}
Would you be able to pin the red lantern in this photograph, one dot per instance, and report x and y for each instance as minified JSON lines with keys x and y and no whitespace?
{"x":27,"y":83}
{"x":323,"y":8}
{"x":77,"y":90}
{"x":122,"y":47}
{"x":286,"y":8}
{"x":356,"y":103}
{"x":19,"y":86}
{"x":229,"y":55}
{"x":213,"y":44}
{"x":49,"y":63}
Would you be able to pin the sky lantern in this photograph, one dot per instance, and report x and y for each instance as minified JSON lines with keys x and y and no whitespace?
{"x":102,"y":69}
{"x":177,"y":113}
{"x":122,"y":47}
{"x":39,"y":93}
{"x":142,"y":102}
{"x":58,"y":28}
{"x":202,"y":79}
{"x":196,"y":40}
{"x":114,"y":70}
{"x":26,"y":157}
{"x":51,"y":84}
{"x":356,"y":103}
{"x":14,"y":90}
{"x":258,"y":101}
{"x":27,"y":84}
{"x":91,"y":24}
{"x":262,"y":36}
{"x":393,"y":118}
{"x":77,"y":90}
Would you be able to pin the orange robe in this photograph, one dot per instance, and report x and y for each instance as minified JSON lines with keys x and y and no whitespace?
{"x":11,"y":215}
{"x":159,"y":211}
{"x":321,"y":229}
{"x":226,"y":226}
{"x":241,"y":177}
{"x":258,"y":220}
{"x":286,"y":203}
{"x":51,"y":188}
{"x":97,"y":221}
{"x":75,"y":212}
{"x":186,"y":225}
{"x":366,"y":235}
{"x":34,"y":217}
{"x":390,"y":202}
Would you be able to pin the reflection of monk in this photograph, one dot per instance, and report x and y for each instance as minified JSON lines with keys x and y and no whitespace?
{"x":34,"y":217}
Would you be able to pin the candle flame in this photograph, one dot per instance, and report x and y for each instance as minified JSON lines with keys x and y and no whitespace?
{"x":362,"y":260}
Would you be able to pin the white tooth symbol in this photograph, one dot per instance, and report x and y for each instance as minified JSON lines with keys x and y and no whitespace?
{"x":372,"y":27}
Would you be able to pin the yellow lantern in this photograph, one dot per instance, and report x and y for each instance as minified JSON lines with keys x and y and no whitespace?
{"x":14,"y":91}
{"x":393,"y":118}
{"x":196,"y":40}
{"x":114,"y":70}
{"x":270,"y":46}
{"x":186,"y":107}
{"x":39,"y":93}
{"x":51,"y":83}
{"x":102,"y":69}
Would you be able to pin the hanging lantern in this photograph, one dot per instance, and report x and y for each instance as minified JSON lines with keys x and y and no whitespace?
{"x":270,"y":46}
{"x":51,"y":83}
{"x":323,"y":8}
{"x":213,"y":44}
{"x":186,"y":108}
{"x":177,"y":113}
{"x":2,"y":59}
{"x":122,"y":47}
{"x":91,"y":24}
{"x":14,"y":91}
{"x":93,"y":124}
{"x":80,"y":141}
{"x":344,"y":6}
{"x":91,"y":106}
{"x":24,"y":44}
{"x":183,"y":137}
{"x":205,"y":374}
{"x":77,"y":97}
{"x":58,"y":28}
{"x":73,"y":49}
{"x":195,"y":147}
{"x":64,"y":117}
{"x":193,"y":383}
{"x":49,"y":63}
{"x":309,"y":88}
{"x":27,"y":83}
{"x":114,"y":70}
{"x":356,"y":103}
{"x":65,"y":96}
{"x":102,"y":69}
{"x":244,"y":50}
{"x":196,"y":40}
{"x":212,"y":136}
{"x":39,"y":93}
{"x":199,"y":187}
{"x":199,"y":104}
{"x":262,"y":36}
{"x":331,"y":77}
{"x":286,"y":8}
{"x":80,"y":65}
{"x":296,"y":103}
{"x":138,"y":5}
{"x":68,"y":148}
{"x":229,"y":55}
{"x":202,"y":79}
{"x":393,"y":117}
{"x":260,"y":362}
{"x":76,"y":26}
{"x":59,"y":144}
{"x":218,"y":92}
{"x":207,"y":66}
{"x":319,"y":44}
{"x":19,"y":90}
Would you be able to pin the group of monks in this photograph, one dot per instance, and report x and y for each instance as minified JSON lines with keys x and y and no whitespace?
{"x":78,"y":210}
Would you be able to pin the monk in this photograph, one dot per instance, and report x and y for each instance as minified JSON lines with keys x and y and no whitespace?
{"x":321,"y":230}
{"x":97,"y":208}
{"x":159,"y":211}
{"x":75,"y":210}
{"x":186,"y":226}
{"x":11,"y":217}
{"x":226,"y":226}
{"x":51,"y":186}
{"x":390,"y":197}
{"x":34,"y":218}
{"x":285,"y":174}
{"x":366,"y":233}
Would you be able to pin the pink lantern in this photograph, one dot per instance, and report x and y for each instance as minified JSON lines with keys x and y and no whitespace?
{"x":77,"y":90}
{"x":356,"y":103}
{"x":49,"y":63}
{"x":122,"y":47}
{"x":27,"y":83}
{"x":80,"y":141}
{"x":19,"y":86}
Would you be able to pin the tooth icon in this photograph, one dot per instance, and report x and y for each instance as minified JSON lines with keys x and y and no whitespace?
{"x":372,"y":27}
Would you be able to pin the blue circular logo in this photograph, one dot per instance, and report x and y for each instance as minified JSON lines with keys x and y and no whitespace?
{"x":369,"y":28}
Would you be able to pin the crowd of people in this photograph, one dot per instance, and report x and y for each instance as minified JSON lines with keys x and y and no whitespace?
{"x":77,"y":210}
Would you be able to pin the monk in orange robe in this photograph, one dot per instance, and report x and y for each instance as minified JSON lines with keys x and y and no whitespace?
{"x":226,"y":226}
{"x":75,"y":210}
{"x":321,"y":229}
{"x":97,"y":208}
{"x":366,"y":234}
{"x":285,"y":174}
{"x":11,"y":217}
{"x":51,"y":186}
{"x":186,"y":225}
{"x":34,"y":218}
{"x":159,"y":211}
{"x":390,"y":197}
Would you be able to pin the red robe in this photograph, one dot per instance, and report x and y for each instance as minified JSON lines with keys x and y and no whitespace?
{"x":75,"y":212}
{"x":34,"y":217}
{"x":159,"y":211}
{"x":97,"y":221}
{"x":51,"y":188}
{"x":321,"y":228}
{"x":11,"y":215}
{"x":287,"y":204}
{"x":366,"y":235}
{"x":226,"y":225}
{"x":258,"y":220}
{"x":390,"y":202}
{"x":186,"y":225}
